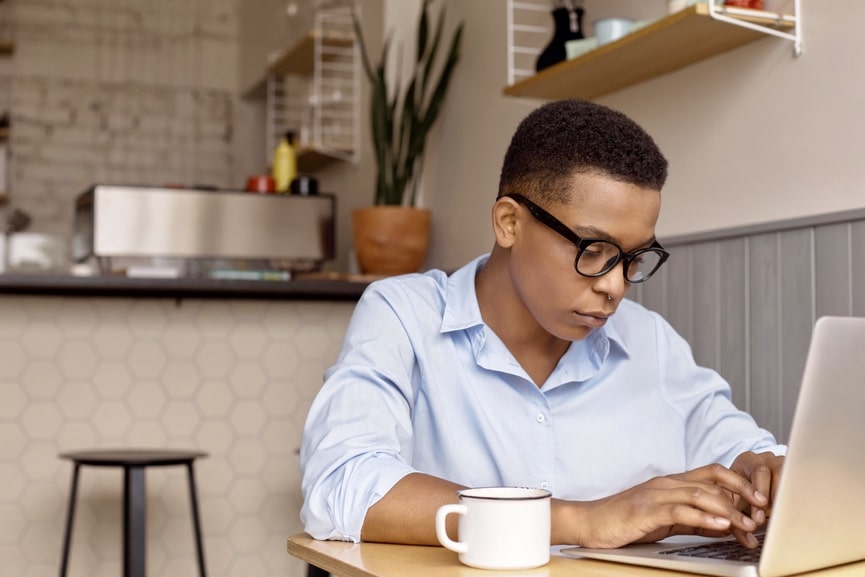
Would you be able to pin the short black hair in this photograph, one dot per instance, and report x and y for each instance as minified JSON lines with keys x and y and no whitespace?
{"x":565,"y":137}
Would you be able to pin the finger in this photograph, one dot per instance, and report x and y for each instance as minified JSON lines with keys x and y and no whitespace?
{"x":730,"y":480}
{"x":707,"y":495}
{"x":746,"y":538}
{"x":711,"y":501}
{"x":761,"y":479}
{"x":765,"y":473}
{"x":665,"y":532}
{"x":681,"y":515}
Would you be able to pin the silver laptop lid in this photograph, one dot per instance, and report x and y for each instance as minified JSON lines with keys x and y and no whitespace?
{"x":820,"y":507}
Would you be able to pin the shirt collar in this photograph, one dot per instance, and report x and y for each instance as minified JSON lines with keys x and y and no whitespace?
{"x":461,"y":301}
{"x":612,"y":332}
{"x":462,"y":310}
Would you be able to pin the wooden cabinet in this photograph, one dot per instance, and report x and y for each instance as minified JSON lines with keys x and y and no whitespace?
{"x":667,"y":44}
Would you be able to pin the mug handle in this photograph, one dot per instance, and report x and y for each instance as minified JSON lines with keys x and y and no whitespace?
{"x":441,"y":529}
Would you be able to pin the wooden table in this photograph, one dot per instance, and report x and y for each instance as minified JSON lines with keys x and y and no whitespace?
{"x":380,"y":560}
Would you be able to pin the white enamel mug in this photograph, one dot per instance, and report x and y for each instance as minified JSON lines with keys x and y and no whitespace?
{"x":499,"y":527}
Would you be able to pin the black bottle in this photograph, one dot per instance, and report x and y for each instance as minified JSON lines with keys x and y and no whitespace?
{"x":568,"y":24}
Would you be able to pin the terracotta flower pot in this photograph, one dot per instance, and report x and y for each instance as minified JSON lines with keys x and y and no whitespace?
{"x":390,"y":240}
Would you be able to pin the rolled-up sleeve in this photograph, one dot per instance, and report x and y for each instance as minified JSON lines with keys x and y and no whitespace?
{"x":357,"y":440}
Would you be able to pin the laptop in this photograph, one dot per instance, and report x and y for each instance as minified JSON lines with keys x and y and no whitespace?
{"x":819,"y":511}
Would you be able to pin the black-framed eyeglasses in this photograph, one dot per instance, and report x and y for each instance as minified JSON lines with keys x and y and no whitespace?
{"x":596,"y":257}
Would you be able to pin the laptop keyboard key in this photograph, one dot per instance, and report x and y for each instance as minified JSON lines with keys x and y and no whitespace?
{"x":728,"y":550}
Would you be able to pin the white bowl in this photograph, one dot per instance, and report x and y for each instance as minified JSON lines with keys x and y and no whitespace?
{"x":610,"y":29}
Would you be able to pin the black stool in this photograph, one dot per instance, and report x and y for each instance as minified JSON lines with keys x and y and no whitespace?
{"x":134,"y":463}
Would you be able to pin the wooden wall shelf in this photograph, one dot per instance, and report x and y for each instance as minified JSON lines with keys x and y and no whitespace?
{"x":670,"y":43}
{"x":312,"y":89}
{"x":299,"y":59}
{"x":312,"y":159}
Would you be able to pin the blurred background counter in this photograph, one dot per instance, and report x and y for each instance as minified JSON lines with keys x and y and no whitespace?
{"x":302,"y":286}
{"x":229,"y":367}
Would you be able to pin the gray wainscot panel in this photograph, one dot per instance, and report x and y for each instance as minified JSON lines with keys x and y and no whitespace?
{"x":746,"y":299}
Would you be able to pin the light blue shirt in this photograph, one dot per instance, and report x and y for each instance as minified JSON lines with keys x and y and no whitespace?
{"x":422,"y":384}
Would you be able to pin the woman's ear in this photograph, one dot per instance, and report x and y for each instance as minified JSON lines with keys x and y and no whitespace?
{"x":505,"y":221}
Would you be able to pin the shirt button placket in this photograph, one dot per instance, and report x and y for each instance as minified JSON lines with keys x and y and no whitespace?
{"x":544,"y":458}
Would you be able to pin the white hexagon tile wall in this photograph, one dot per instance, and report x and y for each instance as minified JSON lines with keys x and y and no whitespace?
{"x":233,"y":378}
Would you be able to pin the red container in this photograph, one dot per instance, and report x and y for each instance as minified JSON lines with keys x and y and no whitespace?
{"x":752,"y":4}
{"x":261,"y":184}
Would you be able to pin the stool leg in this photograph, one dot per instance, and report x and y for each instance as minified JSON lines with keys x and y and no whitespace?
{"x":134,"y":522}
{"x":196,"y":522}
{"x":70,"y":516}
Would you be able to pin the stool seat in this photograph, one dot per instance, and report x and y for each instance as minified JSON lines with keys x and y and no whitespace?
{"x":134,"y":463}
{"x":133,"y":457}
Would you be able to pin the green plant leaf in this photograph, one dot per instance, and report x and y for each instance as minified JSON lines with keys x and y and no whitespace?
{"x":382,"y":127}
{"x":402,"y":118}
{"x":406,"y":126}
{"x":427,"y":64}
{"x":437,"y":97}
{"x":367,"y":65}
{"x":422,"y":31}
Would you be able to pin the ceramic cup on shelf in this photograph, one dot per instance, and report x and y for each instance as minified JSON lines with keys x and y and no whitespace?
{"x":500,"y":528}
{"x":674,"y":6}
{"x":610,"y":29}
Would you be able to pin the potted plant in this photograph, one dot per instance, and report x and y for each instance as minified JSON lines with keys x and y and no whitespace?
{"x":392,"y":236}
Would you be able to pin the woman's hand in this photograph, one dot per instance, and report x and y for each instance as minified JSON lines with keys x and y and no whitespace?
{"x":764,"y":472}
{"x":706,"y":501}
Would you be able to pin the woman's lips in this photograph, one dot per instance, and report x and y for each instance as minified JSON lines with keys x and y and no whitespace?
{"x":593,"y":319}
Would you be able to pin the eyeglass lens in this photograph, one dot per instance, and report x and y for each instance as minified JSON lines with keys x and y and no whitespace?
{"x":600,"y":257}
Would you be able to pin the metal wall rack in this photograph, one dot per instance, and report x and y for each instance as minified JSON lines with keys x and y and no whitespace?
{"x":669,"y":43}
{"x":313,"y":90}
{"x":741,"y":17}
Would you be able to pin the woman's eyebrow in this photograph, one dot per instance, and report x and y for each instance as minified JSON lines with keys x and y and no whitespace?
{"x":596,"y":233}
{"x":593,"y":232}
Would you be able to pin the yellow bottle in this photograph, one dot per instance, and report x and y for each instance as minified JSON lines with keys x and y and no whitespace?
{"x":284,"y":163}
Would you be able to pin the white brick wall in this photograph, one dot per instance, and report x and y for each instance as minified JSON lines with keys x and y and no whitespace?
{"x":120,"y":91}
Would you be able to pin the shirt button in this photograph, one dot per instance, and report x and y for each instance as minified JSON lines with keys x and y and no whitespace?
{"x":540,"y":418}
{"x":545,"y":485}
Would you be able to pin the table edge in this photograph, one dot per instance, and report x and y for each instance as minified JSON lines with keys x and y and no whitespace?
{"x":295,"y":547}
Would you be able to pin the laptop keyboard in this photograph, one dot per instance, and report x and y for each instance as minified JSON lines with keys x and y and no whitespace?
{"x":730,"y":550}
